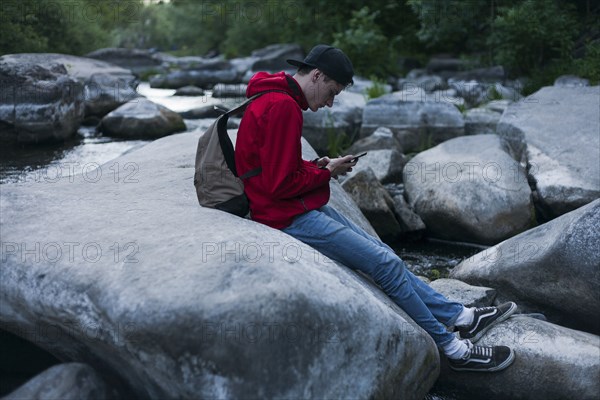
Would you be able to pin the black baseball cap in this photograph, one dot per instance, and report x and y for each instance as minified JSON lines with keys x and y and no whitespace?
{"x":332,"y":61}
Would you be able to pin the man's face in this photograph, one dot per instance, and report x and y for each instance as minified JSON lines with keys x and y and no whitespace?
{"x":322,"y":93}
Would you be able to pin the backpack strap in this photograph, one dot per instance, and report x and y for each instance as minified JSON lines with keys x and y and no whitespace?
{"x":225,"y":142}
{"x":251,"y":173}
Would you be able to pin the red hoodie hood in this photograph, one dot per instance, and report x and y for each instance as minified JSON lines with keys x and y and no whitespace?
{"x":263,"y":81}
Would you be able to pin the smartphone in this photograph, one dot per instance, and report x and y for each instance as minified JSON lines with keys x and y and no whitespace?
{"x":358,"y":156}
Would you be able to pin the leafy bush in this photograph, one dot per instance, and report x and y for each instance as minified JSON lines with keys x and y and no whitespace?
{"x":589,"y":66}
{"x":377,"y":89}
{"x":62,"y":26}
{"x":365,"y":44}
{"x":532,"y":34}
{"x":453,"y":26}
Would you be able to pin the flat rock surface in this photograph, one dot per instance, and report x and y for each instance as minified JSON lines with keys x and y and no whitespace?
{"x":557,"y":129}
{"x":177,"y":301}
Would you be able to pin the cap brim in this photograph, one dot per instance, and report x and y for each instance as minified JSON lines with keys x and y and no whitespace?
{"x":299,"y":64}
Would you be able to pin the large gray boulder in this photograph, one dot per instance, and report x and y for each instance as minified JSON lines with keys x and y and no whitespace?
{"x":222,"y":90}
{"x":139,"y":61}
{"x":463,"y":293}
{"x":273,"y":57}
{"x":469,"y":189}
{"x":107,"y":86}
{"x":204,"y":74}
{"x":362,"y":85}
{"x":410,"y":223}
{"x":40,"y":103}
{"x":445,"y":66}
{"x":328,"y":124}
{"x":417,"y":124}
{"x":571,"y":81}
{"x":553,"y":268}
{"x":476,"y":93}
{"x":374,"y":201}
{"x":70,"y":381}
{"x":381,"y":139}
{"x":181,"y":301}
{"x":481,"y":121}
{"x":551,"y":362}
{"x":386,"y":164}
{"x":142,"y":118}
{"x":189,"y":91}
{"x":557,"y":130}
{"x":489,"y":75}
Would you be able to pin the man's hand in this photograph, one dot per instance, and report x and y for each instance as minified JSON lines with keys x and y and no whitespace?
{"x":323,"y":161}
{"x":340,"y":166}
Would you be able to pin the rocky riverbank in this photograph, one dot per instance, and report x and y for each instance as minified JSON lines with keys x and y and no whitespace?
{"x":148,"y":294}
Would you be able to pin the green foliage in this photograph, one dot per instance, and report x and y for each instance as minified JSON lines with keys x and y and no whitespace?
{"x":433,"y":274}
{"x":589,"y":66}
{"x":63,"y":26}
{"x":531,"y":34}
{"x":537,"y":38}
{"x":337,"y":140}
{"x":453,"y":26}
{"x":377,"y":89}
{"x":365,"y":44}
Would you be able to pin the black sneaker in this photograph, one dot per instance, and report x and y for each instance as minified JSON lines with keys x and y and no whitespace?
{"x":484,"y":319}
{"x":484,"y":359}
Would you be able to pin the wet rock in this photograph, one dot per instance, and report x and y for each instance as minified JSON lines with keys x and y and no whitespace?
{"x":553,"y":268}
{"x":488,"y":75}
{"x":229,"y":91}
{"x":374,"y":202}
{"x":382,"y":139}
{"x":152,"y":292}
{"x":498,"y":106}
{"x":328,"y":124}
{"x":204,"y":112}
{"x":470,"y":189}
{"x":416,"y":124}
{"x":556,"y":131}
{"x":142,"y":118}
{"x":551,"y":362}
{"x":427,"y":83}
{"x":571,"y":81}
{"x":139,"y":61}
{"x":362,"y":85}
{"x":72,"y":381}
{"x":409,"y":221}
{"x":445,"y":66}
{"x":107,"y":86}
{"x":273,"y":58}
{"x":189,"y":91}
{"x":386,"y":164}
{"x":481,"y":121}
{"x":205,"y":75}
{"x":463,"y":293}
{"x":39,"y":103}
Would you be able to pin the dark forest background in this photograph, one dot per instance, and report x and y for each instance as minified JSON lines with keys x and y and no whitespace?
{"x":539,"y":39}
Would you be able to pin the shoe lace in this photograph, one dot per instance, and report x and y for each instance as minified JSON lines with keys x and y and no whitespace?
{"x":485,"y":309}
{"x":482,"y":351}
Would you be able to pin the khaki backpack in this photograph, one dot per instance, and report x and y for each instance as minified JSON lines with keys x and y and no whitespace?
{"x":216,"y":179}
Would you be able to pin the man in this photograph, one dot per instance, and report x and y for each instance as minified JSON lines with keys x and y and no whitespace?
{"x":291,"y":194}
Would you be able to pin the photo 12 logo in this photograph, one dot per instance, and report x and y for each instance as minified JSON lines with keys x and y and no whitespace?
{"x":71,"y":252}
{"x":91,"y":172}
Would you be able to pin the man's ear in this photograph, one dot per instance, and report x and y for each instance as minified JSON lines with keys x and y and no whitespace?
{"x":316,"y":74}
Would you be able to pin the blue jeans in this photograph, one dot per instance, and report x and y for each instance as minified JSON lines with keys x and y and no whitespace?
{"x":340,"y":239}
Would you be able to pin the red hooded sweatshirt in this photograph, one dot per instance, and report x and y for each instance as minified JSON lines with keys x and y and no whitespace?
{"x":269,"y":137}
